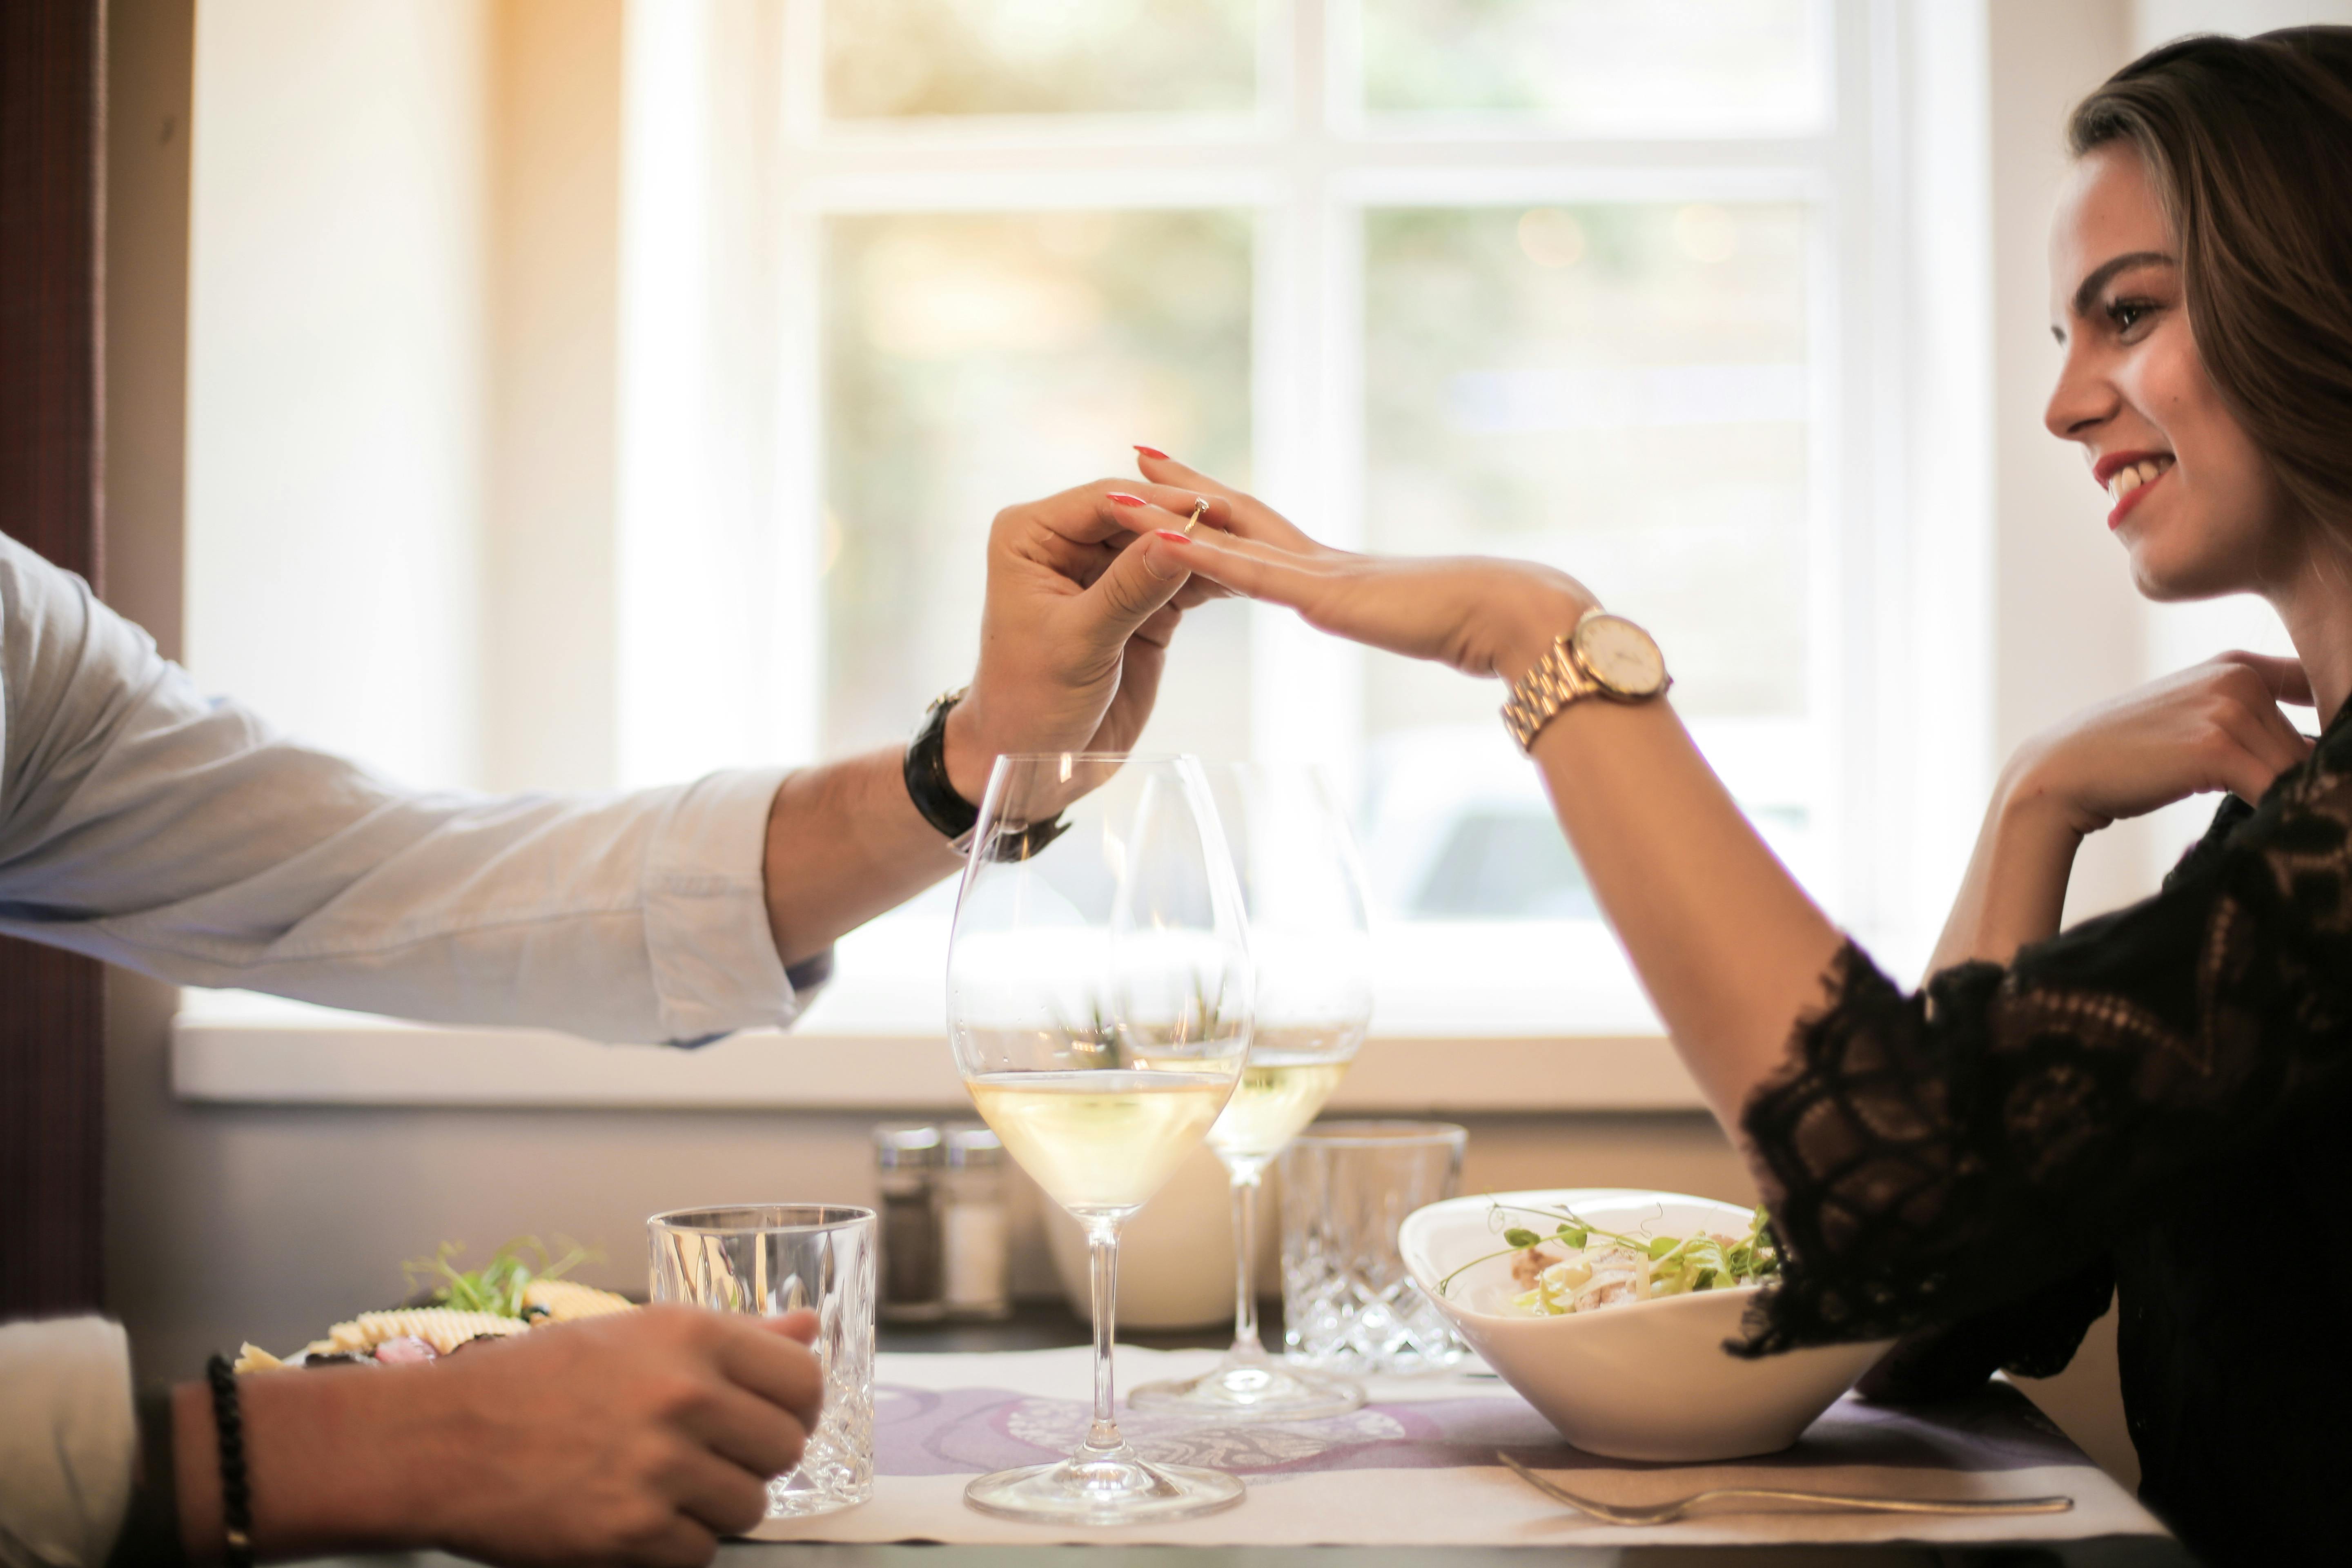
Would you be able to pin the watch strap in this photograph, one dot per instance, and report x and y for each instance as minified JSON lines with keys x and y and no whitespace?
{"x":926,"y":771}
{"x":1552,"y":683}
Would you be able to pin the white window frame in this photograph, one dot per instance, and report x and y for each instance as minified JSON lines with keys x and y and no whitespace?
{"x":1307,"y":163}
{"x":1901,"y":673}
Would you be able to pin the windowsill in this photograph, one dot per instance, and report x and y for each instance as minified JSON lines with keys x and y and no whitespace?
{"x":872,"y":1042}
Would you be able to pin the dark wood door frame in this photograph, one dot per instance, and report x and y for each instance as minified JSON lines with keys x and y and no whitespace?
{"x":52,"y":1021}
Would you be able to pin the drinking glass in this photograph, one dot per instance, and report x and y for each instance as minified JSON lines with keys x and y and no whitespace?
{"x":1348,"y":1301}
{"x":1303,"y":890}
{"x":1099,"y":1001}
{"x":768,"y":1259}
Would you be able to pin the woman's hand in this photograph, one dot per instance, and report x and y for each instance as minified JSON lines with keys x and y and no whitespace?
{"x":638,"y":1438}
{"x":1480,"y":614}
{"x":2214,"y":726}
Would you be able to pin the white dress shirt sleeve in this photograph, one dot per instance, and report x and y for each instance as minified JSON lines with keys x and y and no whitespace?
{"x":68,"y":1444}
{"x":147,"y":826}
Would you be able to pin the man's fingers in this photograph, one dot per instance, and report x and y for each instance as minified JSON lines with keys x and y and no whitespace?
{"x":773,"y":1365}
{"x":800,"y":1325}
{"x":723,"y":1498}
{"x":1144,"y":578}
{"x":749,"y":1432}
{"x":681,"y":1544}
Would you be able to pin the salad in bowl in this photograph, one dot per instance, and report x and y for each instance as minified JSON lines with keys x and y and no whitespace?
{"x":1609,"y":1309}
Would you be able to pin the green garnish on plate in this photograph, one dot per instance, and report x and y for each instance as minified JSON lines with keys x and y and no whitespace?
{"x":497,"y":1286}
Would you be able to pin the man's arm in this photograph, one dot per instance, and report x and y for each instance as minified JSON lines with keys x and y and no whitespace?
{"x":1081,"y":605}
{"x":146,"y":825}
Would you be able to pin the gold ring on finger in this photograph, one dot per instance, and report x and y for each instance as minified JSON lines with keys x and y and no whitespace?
{"x":1199,"y":510}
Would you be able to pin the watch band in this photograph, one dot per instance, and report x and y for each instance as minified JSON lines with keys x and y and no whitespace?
{"x":925,"y":772}
{"x":1553,"y":682}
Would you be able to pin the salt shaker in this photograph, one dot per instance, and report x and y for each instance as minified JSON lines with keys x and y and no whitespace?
{"x":909,"y":1162}
{"x":975,"y":1229}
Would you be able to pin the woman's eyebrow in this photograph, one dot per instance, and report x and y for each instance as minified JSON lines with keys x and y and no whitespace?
{"x":2088,"y":289}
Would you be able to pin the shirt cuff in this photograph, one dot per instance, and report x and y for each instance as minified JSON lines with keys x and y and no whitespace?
{"x":715,"y":966}
{"x":70,"y":1443}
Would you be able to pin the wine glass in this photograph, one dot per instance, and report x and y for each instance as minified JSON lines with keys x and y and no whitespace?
{"x":1098,"y":1001}
{"x":1302,"y":889}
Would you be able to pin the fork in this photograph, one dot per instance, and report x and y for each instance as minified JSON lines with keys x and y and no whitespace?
{"x":1664,"y":1512}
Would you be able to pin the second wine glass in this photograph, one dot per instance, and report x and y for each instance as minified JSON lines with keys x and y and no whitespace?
{"x":1303,"y":886}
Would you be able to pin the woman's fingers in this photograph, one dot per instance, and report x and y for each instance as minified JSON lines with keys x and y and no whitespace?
{"x":1244,"y":514}
{"x":1245,"y":566}
{"x":2284,"y":677}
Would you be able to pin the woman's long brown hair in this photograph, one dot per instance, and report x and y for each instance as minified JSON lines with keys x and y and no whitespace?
{"x":2249,"y":142}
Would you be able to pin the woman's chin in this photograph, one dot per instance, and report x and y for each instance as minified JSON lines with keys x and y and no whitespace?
{"x":2168,"y":576}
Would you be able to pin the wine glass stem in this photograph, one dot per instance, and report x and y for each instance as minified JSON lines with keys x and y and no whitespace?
{"x":1102,"y":1247}
{"x":1247,"y":1341}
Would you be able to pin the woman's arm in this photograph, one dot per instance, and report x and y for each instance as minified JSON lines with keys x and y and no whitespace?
{"x":1931,"y":1155}
{"x":1731,"y":950}
{"x":1729,"y":946}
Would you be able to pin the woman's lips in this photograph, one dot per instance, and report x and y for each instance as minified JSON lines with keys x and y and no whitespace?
{"x":2137,"y":487}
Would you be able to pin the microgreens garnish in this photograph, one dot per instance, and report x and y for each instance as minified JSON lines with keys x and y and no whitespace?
{"x":497,"y":1286}
{"x":1701,"y":1262}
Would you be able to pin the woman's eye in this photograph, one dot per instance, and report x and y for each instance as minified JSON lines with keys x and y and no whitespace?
{"x":2129,"y":313}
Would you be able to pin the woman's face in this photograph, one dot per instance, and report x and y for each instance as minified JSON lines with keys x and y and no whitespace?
{"x":2194,"y":503}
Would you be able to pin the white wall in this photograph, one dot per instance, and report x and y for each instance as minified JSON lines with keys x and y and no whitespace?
{"x":335,"y":371}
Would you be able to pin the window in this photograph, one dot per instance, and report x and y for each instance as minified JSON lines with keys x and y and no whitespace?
{"x":693,"y":464}
{"x":1565,"y":279}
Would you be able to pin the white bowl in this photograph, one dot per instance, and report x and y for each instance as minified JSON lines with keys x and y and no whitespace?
{"x":1647,"y":1381}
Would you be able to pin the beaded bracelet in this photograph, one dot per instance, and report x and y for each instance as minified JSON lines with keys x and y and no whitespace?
{"x":236,"y":1500}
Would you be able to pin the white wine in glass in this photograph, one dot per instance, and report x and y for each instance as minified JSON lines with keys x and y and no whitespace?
{"x":1100,"y":986}
{"x":1304,"y":890}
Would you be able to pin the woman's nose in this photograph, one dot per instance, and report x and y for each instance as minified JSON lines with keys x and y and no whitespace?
{"x":2083,"y":400}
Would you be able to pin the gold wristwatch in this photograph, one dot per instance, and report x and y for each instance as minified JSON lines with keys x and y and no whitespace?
{"x":1605,"y":656}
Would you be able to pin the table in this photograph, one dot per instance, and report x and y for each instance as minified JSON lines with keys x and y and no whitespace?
{"x":1041,"y":1326}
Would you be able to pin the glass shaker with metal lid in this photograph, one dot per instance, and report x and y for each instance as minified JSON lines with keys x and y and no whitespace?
{"x":908,"y":1162}
{"x":975,"y":1228}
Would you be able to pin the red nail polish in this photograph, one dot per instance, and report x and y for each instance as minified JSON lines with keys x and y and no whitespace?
{"x":1171,"y":533}
{"x":1153,"y":452}
{"x":1123,"y":498}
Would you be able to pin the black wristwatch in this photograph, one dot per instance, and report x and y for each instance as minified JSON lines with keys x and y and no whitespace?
{"x":935,"y":797}
{"x":927,"y":775}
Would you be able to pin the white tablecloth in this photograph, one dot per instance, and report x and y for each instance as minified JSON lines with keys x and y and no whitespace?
{"x":1416,"y":1466}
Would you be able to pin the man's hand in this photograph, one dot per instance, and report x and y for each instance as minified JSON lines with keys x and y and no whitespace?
{"x":1082,"y":601}
{"x":636,"y":1439}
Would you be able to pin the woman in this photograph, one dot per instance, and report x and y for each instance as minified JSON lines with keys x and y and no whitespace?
{"x":2153,"y":1099}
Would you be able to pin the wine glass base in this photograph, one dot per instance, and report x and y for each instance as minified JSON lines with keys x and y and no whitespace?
{"x":1103,"y":1489}
{"x":1256,"y":1389}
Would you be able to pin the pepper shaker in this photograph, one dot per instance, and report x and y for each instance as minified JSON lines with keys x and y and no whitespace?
{"x":907,"y":1161}
{"x":975,"y":1229}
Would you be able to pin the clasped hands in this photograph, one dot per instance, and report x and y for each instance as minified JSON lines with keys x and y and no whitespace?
{"x":1085,"y":589}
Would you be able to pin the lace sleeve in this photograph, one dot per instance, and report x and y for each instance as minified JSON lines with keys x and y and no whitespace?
{"x":1936,"y":1154}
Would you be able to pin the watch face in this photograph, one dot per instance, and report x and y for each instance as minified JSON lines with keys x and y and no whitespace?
{"x":1620,"y":656}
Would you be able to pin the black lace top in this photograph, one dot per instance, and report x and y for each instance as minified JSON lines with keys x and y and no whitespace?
{"x":2153,"y":1102}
